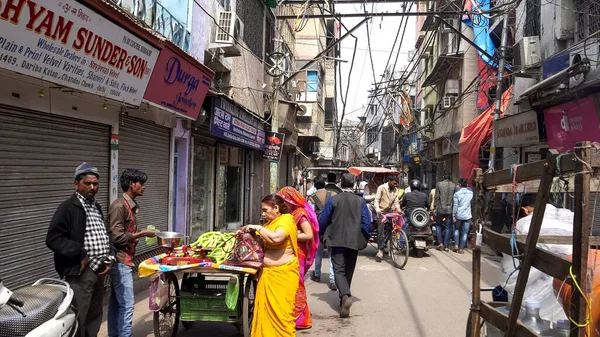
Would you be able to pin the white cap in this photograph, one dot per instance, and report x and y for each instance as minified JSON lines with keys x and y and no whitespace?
{"x":533,"y":304}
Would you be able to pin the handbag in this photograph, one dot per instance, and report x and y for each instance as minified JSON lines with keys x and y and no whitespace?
{"x":248,"y":251}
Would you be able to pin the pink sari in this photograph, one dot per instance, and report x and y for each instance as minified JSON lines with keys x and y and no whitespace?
{"x":302,"y":211}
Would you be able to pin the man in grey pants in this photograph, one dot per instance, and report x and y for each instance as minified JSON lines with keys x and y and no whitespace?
{"x":83,"y":254}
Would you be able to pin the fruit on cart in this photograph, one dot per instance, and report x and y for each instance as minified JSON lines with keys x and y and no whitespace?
{"x":223,"y":244}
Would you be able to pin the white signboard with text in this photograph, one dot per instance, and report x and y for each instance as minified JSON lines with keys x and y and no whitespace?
{"x":64,"y":42}
{"x":517,"y":130}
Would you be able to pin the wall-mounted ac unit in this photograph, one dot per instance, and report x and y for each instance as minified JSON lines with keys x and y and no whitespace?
{"x":448,"y":101}
{"x":306,"y":110}
{"x":527,"y":52}
{"x":229,"y":32}
{"x":590,"y":52}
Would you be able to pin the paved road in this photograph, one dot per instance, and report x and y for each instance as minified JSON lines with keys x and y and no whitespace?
{"x":429,"y":298}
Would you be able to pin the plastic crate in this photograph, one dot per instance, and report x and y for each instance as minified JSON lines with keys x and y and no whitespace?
{"x":204,"y":300}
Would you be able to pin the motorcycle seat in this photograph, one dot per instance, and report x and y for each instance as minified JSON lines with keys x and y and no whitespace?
{"x":41,"y":304}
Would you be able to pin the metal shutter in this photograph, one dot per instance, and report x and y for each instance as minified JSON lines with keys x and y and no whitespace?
{"x":145,"y":146}
{"x":38,"y":157}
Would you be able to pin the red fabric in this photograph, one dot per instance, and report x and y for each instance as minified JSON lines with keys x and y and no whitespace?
{"x":487,"y":80}
{"x":474,"y":135}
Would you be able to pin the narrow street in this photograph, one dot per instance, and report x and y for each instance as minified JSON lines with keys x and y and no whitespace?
{"x":430,"y":297}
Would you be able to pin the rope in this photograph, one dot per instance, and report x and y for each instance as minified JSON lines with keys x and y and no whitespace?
{"x":588,"y":318}
{"x":513,"y":236}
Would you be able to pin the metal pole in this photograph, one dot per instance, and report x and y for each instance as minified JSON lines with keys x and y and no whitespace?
{"x":274,"y":166}
{"x":499,"y":89}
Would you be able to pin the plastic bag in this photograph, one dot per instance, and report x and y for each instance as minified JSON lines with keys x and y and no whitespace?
{"x":232,"y":293}
{"x":151,"y":241}
{"x":158,"y":292}
{"x":557,"y":221}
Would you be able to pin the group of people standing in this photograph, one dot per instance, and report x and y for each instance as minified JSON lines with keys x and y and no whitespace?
{"x":294,"y":235}
{"x":87,"y":248}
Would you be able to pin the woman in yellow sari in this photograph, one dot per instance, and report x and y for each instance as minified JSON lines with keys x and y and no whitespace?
{"x":278,"y":280}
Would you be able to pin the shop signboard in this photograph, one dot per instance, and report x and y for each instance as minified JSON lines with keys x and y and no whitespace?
{"x":178,"y":85}
{"x":273,"y":146}
{"x":68,"y":44}
{"x":572,"y":122}
{"x":235,"y":125}
{"x":517,"y":130}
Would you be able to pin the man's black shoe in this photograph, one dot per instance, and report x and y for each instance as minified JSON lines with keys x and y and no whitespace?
{"x":314,"y":277}
{"x":345,"y":306}
{"x":332,"y":286}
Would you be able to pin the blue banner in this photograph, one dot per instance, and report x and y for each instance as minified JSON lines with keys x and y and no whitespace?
{"x":227,"y":126}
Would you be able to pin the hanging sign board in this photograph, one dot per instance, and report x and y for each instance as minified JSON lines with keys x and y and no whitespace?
{"x":273,"y":146}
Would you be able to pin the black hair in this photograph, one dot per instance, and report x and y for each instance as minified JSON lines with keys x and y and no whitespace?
{"x":463,"y":182}
{"x":331,"y":177}
{"x":275,"y":200}
{"x":319,"y":183}
{"x":447,"y":174}
{"x":132,"y":176}
{"x":347,"y":180}
{"x":81,"y":175}
{"x":393,"y":178}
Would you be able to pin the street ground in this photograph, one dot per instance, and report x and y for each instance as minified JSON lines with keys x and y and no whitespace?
{"x":429,"y":298}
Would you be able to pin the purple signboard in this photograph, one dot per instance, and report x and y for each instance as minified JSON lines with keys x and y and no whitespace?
{"x":235,"y":125}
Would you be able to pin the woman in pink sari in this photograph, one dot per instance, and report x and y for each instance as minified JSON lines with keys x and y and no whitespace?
{"x":308,"y":242}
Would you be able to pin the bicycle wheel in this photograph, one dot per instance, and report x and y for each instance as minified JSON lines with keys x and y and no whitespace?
{"x":399,"y":249}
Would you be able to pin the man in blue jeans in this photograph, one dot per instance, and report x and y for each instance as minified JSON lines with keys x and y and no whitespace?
{"x":444,"y":192}
{"x":318,"y":201}
{"x":461,"y":213}
{"x":123,"y":214}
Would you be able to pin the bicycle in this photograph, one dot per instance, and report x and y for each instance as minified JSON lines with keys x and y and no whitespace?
{"x":398,"y":247}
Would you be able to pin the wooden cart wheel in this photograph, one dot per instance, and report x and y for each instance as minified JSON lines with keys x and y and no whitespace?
{"x":248,"y":305}
{"x":483,"y":332}
{"x":166,"y":320}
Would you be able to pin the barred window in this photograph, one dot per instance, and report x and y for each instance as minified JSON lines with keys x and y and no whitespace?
{"x":533,"y":13}
{"x":587,"y":19}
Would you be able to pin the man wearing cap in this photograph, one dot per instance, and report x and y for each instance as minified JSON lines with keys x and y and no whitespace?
{"x":83,"y":253}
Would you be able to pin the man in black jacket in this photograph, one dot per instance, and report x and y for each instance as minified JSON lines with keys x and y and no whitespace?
{"x":83,"y":254}
{"x":344,"y":223}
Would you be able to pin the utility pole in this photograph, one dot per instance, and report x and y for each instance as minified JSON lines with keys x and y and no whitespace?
{"x":274,"y":166}
{"x":499,"y":89}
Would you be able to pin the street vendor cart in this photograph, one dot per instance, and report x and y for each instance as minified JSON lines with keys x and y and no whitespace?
{"x":577,"y":168}
{"x":199,"y":291}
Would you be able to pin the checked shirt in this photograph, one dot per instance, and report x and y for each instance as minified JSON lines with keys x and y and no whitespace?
{"x":96,"y":241}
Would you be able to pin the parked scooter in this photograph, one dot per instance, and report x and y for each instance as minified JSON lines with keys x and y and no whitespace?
{"x":41,"y":310}
{"x":418,"y":231}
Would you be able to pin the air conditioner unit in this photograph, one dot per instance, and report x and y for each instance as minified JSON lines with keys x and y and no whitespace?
{"x":305,"y":110}
{"x":448,"y":101}
{"x":590,"y":52}
{"x":229,"y":32}
{"x":452,"y":87}
{"x":527,"y":52}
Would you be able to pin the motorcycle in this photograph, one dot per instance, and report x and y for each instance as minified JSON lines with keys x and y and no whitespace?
{"x":41,"y":310}
{"x":419,"y":233}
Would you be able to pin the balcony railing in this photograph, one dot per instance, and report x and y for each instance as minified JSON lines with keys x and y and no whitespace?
{"x":159,"y":18}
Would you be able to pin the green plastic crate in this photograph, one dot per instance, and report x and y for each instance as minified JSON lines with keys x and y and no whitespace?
{"x":205,"y":302}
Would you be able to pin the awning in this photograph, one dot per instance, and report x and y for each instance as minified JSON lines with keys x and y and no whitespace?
{"x":358,"y":170}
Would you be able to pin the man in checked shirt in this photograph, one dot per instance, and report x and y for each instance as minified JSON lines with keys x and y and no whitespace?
{"x":83,"y":253}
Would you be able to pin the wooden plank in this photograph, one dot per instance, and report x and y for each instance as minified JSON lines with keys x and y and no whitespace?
{"x":475,"y":306}
{"x":533,"y":186}
{"x":479,"y":196}
{"x":543,"y":260}
{"x":530,"y":247}
{"x":557,"y":239}
{"x":581,"y":234}
{"x":500,"y":321}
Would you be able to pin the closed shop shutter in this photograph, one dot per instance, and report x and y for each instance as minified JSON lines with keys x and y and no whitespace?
{"x":145,"y":146}
{"x":39,"y":154}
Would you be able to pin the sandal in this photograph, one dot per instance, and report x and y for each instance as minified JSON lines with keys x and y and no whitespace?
{"x":461,"y":251}
{"x":440,"y":247}
{"x":455,"y":249}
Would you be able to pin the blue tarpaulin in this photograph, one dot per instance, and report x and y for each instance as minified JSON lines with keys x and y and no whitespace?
{"x":481,"y":27}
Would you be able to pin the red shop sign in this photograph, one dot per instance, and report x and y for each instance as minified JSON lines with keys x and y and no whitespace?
{"x":572,"y":122}
{"x":178,"y":85}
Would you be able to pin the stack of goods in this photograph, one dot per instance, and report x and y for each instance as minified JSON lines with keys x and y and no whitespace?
{"x":221,"y":245}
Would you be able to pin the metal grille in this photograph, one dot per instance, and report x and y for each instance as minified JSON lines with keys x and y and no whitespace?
{"x":174,"y":30}
{"x":225,"y":23}
{"x":532,"y":17}
{"x":587,"y":19}
{"x":145,"y":146}
{"x":39,"y":155}
{"x":251,"y":13}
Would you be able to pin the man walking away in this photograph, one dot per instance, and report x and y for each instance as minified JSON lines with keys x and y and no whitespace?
{"x":331,"y":183}
{"x":462,"y":215}
{"x":83,"y":254}
{"x":123,"y":214}
{"x":413,"y":200}
{"x":344,"y":224}
{"x":318,"y":201}
{"x":386,"y":201}
{"x":444,"y":193}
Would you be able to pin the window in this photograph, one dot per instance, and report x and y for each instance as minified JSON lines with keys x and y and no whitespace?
{"x":587,"y":18}
{"x":251,"y":13}
{"x":371,"y":135}
{"x":230,"y":184}
{"x":532,"y":17}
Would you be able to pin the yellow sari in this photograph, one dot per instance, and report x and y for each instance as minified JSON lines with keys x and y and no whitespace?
{"x":277,"y":287}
